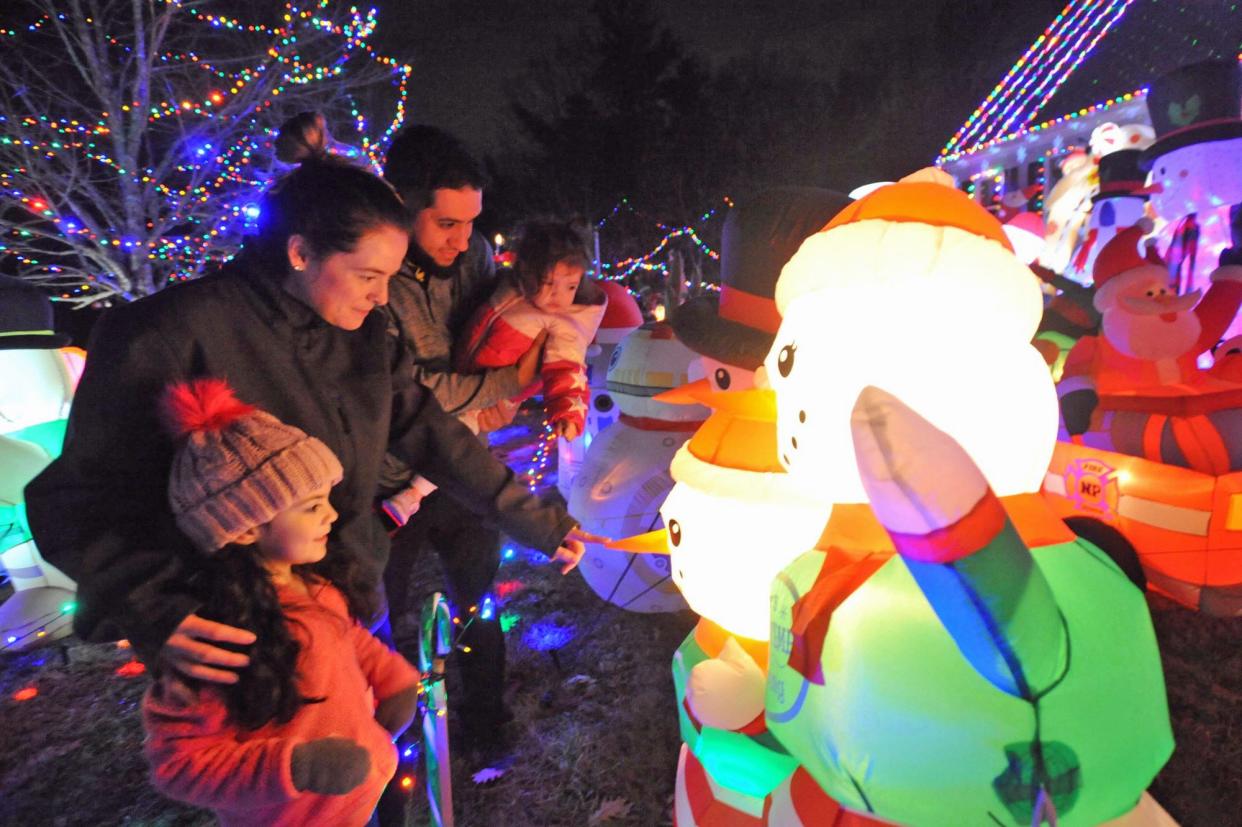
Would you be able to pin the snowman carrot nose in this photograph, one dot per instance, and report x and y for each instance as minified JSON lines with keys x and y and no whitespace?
{"x":964,"y":553}
{"x":753,"y":403}
{"x":653,"y":542}
{"x":691,"y":393}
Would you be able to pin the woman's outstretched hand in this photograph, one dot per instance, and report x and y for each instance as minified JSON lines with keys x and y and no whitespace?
{"x":573,"y":547}
{"x":189,"y":650}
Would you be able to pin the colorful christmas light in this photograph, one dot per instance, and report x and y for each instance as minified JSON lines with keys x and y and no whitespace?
{"x":199,"y":191}
{"x":1037,"y":75}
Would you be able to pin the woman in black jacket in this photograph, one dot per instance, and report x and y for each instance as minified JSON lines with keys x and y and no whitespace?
{"x":289,"y":323}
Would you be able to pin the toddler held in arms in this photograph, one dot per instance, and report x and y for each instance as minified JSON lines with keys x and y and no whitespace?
{"x":546,"y":294}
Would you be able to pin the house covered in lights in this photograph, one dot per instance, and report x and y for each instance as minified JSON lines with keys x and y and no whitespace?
{"x":1090,"y":66}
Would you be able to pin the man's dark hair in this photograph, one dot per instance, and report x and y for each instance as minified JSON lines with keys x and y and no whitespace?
{"x":423,"y":159}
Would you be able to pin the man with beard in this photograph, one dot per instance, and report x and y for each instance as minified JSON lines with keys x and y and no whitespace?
{"x":447,"y":274}
{"x":1150,"y":336}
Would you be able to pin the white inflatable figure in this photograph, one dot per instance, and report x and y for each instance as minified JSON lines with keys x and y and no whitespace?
{"x":1196,"y":168}
{"x":1066,"y":209}
{"x":37,"y":380}
{"x":621,"y":318}
{"x":740,"y":520}
{"x":734,"y":518}
{"x":1036,"y":669}
{"x":1026,"y":232}
{"x":915,"y":289}
{"x":1121,"y":198}
{"x":908,"y":290}
{"x":624,"y":478}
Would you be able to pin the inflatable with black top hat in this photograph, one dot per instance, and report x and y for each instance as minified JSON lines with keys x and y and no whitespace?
{"x":759,"y":236}
{"x":1195,"y":167}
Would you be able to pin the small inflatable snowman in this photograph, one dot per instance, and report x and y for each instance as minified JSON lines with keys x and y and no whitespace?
{"x":1122,"y":195}
{"x":624,"y":478}
{"x":734,"y":520}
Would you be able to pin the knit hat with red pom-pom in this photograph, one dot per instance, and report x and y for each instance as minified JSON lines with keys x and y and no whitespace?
{"x":237,"y":467}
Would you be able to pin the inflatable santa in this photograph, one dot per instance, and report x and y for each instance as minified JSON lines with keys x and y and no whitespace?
{"x":1151,"y":337}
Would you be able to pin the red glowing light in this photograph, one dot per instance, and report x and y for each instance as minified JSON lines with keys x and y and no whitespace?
{"x":505,"y":588}
{"x":25,"y":694}
{"x":407,"y":782}
{"x":131,"y":670}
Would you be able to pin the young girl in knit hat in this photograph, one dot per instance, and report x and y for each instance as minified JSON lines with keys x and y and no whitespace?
{"x":305,"y":735}
{"x":547,"y":294}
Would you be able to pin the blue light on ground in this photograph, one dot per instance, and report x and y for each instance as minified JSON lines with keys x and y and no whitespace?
{"x":509,"y":432}
{"x":548,"y":636}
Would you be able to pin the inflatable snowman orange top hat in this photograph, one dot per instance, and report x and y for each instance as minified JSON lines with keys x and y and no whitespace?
{"x":914,"y":288}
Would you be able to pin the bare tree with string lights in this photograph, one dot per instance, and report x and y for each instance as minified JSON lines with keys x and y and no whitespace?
{"x":135,"y":135}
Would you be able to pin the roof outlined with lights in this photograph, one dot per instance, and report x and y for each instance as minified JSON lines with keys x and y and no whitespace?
{"x":1097,"y":56}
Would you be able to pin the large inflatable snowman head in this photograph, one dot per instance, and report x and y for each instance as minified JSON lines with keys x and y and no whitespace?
{"x":915,"y":289}
{"x":1197,"y":157}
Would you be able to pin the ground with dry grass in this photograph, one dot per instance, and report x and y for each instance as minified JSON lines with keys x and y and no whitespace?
{"x":592,"y":691}
{"x":598,"y":724}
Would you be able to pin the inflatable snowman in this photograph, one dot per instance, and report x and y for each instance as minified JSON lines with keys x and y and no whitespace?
{"x":624,"y":478}
{"x":621,"y":318}
{"x":936,"y":686}
{"x":739,"y":520}
{"x":1121,"y":196}
{"x":1196,"y":167}
{"x":37,"y":379}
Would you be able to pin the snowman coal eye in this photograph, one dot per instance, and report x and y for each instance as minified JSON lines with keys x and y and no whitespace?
{"x":723,"y":379}
{"x":1108,"y":216}
{"x":785,"y":359}
{"x":674,"y":532}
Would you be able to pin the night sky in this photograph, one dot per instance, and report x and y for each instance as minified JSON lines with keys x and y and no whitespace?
{"x":467,"y":54}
